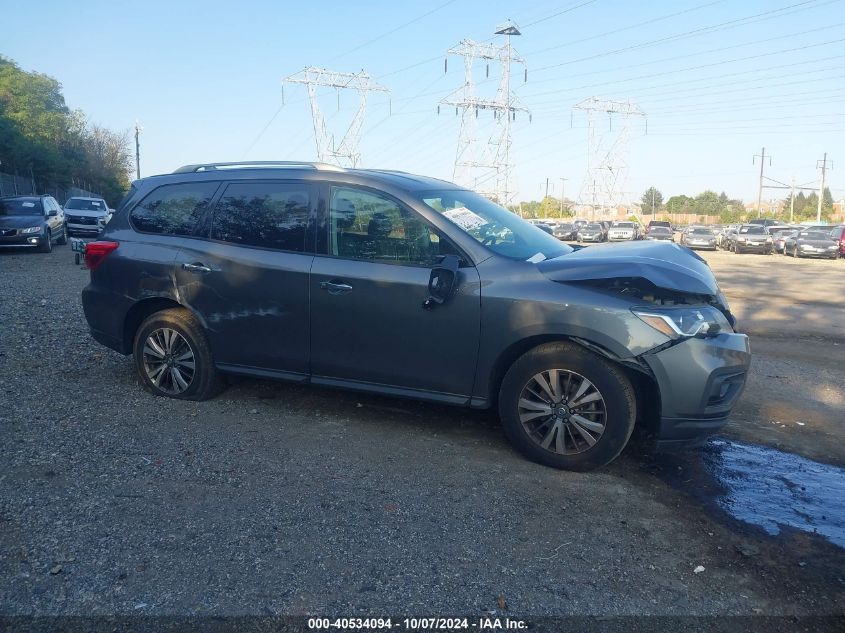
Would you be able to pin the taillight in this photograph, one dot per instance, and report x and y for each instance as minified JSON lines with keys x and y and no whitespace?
{"x":96,"y":252}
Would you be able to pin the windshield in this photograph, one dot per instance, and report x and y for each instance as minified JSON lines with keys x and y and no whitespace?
{"x":20,"y":206}
{"x":624,"y":225}
{"x":815,"y":235}
{"x":592,"y":227}
{"x":755,"y":229}
{"x":498,"y":229}
{"x":702,"y":232}
{"x":659,"y":229}
{"x":81,"y":204}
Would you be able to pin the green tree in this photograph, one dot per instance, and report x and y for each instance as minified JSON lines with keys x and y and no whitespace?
{"x":42,"y":138}
{"x":652,"y":200}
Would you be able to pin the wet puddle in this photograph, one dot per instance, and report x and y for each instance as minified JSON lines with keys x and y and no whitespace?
{"x":772,"y":489}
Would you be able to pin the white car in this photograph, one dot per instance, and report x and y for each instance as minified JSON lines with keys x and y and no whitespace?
{"x":623,"y":231}
{"x":86,"y":216}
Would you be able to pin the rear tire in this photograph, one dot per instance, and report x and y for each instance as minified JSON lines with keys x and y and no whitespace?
{"x":161,"y":357}
{"x":589,"y":447}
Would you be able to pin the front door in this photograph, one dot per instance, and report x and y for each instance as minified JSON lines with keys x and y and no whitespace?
{"x":368,"y":324}
{"x":247,"y":277}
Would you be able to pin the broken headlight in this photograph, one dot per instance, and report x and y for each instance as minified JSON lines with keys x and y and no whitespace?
{"x":685,"y":322}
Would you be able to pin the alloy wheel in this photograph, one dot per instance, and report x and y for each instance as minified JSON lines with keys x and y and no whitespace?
{"x":169,"y":361}
{"x":562,"y":411}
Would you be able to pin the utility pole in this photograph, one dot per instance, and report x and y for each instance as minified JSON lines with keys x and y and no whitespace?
{"x":138,"y":129}
{"x":344,"y":153}
{"x":792,"y":201}
{"x":762,"y":158}
{"x":475,"y":155}
{"x":562,"y":183}
{"x":547,"y":188}
{"x":824,"y":167}
{"x":652,"y":201}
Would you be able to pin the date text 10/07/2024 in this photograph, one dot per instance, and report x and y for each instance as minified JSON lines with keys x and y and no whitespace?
{"x":486,"y":623}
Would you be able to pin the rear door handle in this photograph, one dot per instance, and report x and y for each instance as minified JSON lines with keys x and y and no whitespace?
{"x":196,"y":268}
{"x":335,"y":287}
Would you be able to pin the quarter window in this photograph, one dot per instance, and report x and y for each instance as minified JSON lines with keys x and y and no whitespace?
{"x":173,"y":209}
{"x":367,"y":226}
{"x":270,"y":215}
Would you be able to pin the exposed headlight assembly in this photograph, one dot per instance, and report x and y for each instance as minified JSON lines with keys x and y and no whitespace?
{"x":31,"y":229}
{"x":685,"y":322}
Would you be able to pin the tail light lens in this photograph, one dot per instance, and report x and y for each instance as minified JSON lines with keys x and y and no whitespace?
{"x":96,"y":252}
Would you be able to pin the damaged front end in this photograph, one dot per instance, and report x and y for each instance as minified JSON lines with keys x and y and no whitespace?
{"x":699,"y":372}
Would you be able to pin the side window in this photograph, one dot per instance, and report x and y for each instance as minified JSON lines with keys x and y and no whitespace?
{"x":364,"y":225}
{"x":173,"y":209}
{"x":270,"y":215}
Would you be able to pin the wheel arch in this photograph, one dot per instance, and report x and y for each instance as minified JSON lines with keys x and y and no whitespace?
{"x":140,"y":311}
{"x":646,"y":389}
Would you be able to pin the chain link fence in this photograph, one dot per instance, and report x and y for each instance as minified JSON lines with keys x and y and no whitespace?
{"x":14,"y":185}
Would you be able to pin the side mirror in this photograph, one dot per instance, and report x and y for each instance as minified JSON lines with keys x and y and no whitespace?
{"x":442,"y":282}
{"x":53,"y":213}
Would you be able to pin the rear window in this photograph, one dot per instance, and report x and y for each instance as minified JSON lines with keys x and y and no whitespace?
{"x":269,"y":215}
{"x":756,"y":229}
{"x":173,"y":209}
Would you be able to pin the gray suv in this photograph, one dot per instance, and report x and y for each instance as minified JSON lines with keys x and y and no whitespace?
{"x":385,"y":282}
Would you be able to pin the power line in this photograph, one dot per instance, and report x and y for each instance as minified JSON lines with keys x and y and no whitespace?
{"x":554,"y":15}
{"x":393,"y":30}
{"x":689,"y":68}
{"x":625,"y":28}
{"x":672,"y":38}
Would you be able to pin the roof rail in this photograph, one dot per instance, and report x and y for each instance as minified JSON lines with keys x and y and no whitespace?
{"x":189,"y":169}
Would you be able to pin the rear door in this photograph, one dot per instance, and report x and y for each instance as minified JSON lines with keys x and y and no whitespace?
{"x":246,"y":275}
{"x":368,"y":284}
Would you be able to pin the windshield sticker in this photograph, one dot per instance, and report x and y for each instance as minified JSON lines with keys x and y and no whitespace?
{"x":29,"y":204}
{"x":465,"y":218}
{"x":536,"y":259}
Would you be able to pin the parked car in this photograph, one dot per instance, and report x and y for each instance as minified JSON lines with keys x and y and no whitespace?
{"x":591,"y":233}
{"x":405,"y":285}
{"x":622,"y":231}
{"x":663,"y":223}
{"x":838,"y":234}
{"x":565,"y":231}
{"x":779,"y":236}
{"x":750,"y":238}
{"x":31,"y":222}
{"x":722,"y":236}
{"x":813,"y":243}
{"x":659,"y":232}
{"x":699,"y":237}
{"x":767,"y":222}
{"x":86,"y":216}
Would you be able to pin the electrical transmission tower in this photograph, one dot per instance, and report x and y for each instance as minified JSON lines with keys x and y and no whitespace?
{"x":604,"y":185}
{"x":345,"y":153}
{"x":478,"y":162}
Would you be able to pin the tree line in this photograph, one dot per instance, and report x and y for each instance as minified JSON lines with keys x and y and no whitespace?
{"x":41,"y":138}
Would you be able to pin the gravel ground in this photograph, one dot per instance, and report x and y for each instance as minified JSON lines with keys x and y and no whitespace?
{"x":277,"y":499}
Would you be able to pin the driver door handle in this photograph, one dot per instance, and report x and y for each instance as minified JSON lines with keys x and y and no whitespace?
{"x":335,"y":287}
{"x":196,"y":268}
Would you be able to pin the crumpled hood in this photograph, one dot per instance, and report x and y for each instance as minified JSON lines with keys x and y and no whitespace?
{"x":667,"y":266}
{"x":20,"y":221}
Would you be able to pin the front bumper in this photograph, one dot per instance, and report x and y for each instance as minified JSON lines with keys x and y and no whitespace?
{"x":699,"y":380}
{"x":620,"y":238}
{"x":591,"y":238}
{"x":828,"y":253}
{"x":87,"y":229}
{"x":755,"y":248}
{"x":21,"y":241}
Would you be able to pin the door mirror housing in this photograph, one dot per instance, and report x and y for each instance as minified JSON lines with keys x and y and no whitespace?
{"x":53,"y":213}
{"x":443,"y":281}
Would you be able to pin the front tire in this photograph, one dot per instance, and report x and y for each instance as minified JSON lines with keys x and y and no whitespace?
{"x":63,"y":239}
{"x":565,"y":407}
{"x":47,"y":246}
{"x":173,"y":357}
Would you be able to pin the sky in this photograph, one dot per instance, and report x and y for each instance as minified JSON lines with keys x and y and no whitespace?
{"x":717,"y":80}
